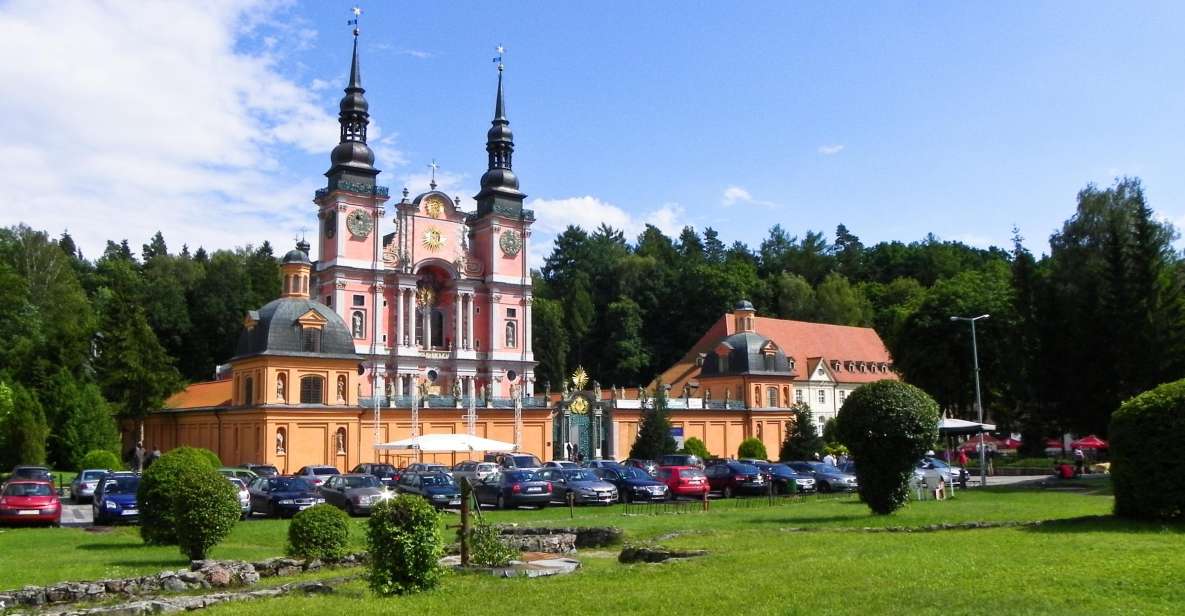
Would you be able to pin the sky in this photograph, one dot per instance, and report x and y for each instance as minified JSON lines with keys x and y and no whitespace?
{"x":213,"y":121}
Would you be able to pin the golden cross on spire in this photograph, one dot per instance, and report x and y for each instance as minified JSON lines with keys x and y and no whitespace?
{"x":499,"y":50}
{"x":357,"y":11}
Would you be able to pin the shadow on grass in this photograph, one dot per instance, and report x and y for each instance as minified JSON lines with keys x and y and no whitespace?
{"x":163,"y":563}
{"x":1105,"y":523}
{"x":103,"y":547}
{"x":819,"y":519}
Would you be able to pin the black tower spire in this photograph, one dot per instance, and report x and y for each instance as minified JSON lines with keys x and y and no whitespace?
{"x":353,"y":160}
{"x":499,"y":185}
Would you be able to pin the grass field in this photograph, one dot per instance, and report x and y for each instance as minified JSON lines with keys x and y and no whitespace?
{"x":1087,"y":563}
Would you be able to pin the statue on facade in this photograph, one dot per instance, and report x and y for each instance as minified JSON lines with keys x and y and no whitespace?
{"x":279,"y":441}
{"x":457,"y":388}
{"x":485,"y":394}
{"x":707,"y":395}
{"x":340,"y":438}
{"x":597,"y":391}
{"x":547,"y":387}
{"x":727,"y":396}
{"x":280,"y":390}
{"x":686,"y":391}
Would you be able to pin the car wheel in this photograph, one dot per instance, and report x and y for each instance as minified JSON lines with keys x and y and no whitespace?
{"x":824,"y":487}
{"x":501,"y":503}
{"x":350,"y":511}
{"x":727,"y":491}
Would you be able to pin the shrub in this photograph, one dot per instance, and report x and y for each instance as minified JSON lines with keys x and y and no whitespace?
{"x":1144,"y":431}
{"x":802,"y":439}
{"x":403,"y":545}
{"x":654,"y":434}
{"x":696,"y":447}
{"x":157,"y":487}
{"x":752,"y":448}
{"x":321,"y":532}
{"x":100,"y":458}
{"x":205,"y":508}
{"x":487,"y":549}
{"x":887,"y":425}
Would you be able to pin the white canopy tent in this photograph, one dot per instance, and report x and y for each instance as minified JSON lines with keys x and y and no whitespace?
{"x":447,"y":443}
{"x":950,"y":427}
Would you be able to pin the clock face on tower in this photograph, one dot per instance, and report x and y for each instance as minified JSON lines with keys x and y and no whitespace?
{"x":434,"y":205}
{"x":510,"y":242}
{"x":358,"y":222}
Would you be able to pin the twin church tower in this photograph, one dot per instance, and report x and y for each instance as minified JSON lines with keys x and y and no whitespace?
{"x":434,"y":297}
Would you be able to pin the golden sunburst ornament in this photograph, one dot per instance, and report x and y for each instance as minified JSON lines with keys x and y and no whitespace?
{"x":434,"y":206}
{"x":579,"y":406}
{"x":579,"y":379}
{"x":433,"y":239}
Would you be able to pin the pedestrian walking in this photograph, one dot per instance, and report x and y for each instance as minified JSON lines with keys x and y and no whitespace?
{"x":991,"y":461}
{"x":1079,"y":460}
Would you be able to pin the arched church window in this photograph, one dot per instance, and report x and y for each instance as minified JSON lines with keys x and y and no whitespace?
{"x":248,"y":391}
{"x":358,"y":321}
{"x":511,"y":334}
{"x":312,"y":390}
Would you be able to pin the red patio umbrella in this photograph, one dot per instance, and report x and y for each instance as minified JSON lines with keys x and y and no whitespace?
{"x":972,"y":443}
{"x":1089,"y":442}
{"x":1053,"y":443}
{"x":1009,"y":443}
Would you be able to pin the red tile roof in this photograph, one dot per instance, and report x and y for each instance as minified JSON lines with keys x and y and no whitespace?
{"x":202,"y":395}
{"x":803,"y":342}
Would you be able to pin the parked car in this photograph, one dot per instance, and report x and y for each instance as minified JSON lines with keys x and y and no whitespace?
{"x":31,"y":473}
{"x":582,"y":483}
{"x":84,"y":484}
{"x":633,"y":484}
{"x":950,"y":474}
{"x":518,"y":461}
{"x":282,"y":496}
{"x":474,"y":471}
{"x":512,"y":488}
{"x":387,"y":474}
{"x":599,"y":463}
{"x":427,"y":467}
{"x":263,"y":470}
{"x":25,"y":501}
{"x":785,"y":479}
{"x":560,"y":464}
{"x":316,"y":474}
{"x":241,"y":474}
{"x":684,"y":481}
{"x":730,"y":478}
{"x":244,"y":496}
{"x":356,"y":493}
{"x":115,"y":498}
{"x":827,"y":478}
{"x":436,"y":487}
{"x":681,"y":459}
{"x":650,"y":466}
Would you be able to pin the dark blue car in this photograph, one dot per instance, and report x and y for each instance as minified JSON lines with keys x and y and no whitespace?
{"x":115,"y":499}
{"x":281,"y":496}
{"x":634,"y":484}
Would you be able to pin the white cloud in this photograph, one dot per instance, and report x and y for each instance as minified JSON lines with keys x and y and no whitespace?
{"x":130,"y":118}
{"x":416,"y":53}
{"x":737,"y":194}
{"x":552,"y":216}
{"x":829,"y":150}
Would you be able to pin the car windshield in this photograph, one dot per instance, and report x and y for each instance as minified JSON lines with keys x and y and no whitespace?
{"x":288,"y":484}
{"x":266,"y":470}
{"x":526,"y":461}
{"x":122,"y":485}
{"x":631,"y":472}
{"x":690,"y":473}
{"x":325,"y":470}
{"x":437,"y":479}
{"x":362,"y":482}
{"x":28,"y":489}
{"x":382,"y":470}
{"x":778,"y":469}
{"x":936,"y":463}
{"x":580,"y":475}
{"x":747,"y":469}
{"x":823,"y":467}
{"x":237,"y":482}
{"x":30,"y":473}
{"x":522,"y":476}
{"x":92,"y":475}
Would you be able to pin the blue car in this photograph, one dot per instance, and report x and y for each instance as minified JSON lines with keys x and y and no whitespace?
{"x":115,"y":498}
{"x":634,"y":484}
{"x":281,"y":496}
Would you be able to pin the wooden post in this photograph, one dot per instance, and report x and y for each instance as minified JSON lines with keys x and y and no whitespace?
{"x":466,"y":495}
{"x":705,"y":500}
{"x":571,"y":505}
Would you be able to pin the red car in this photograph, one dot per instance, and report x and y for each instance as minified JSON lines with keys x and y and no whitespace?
{"x":30,"y":501}
{"x":684,"y":480}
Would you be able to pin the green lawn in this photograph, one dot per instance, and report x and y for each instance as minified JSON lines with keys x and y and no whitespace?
{"x":1088,"y":563}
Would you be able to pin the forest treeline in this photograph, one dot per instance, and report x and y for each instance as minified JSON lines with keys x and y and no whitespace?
{"x":1095,"y":318}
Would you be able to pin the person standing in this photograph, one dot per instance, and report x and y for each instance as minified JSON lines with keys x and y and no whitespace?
{"x":152,"y":457}
{"x":829,"y":459}
{"x":138,"y":456}
{"x":1079,"y":460}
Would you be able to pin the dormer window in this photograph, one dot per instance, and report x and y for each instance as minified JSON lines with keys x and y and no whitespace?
{"x":770,"y":363}
{"x":835,"y":365}
{"x":699,"y":360}
{"x":310,"y":339}
{"x":722,"y":363}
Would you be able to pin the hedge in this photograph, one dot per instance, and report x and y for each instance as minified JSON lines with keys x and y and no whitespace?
{"x":205,"y":508}
{"x":752,"y":448}
{"x":100,"y":458}
{"x":1149,"y":481}
{"x":888,"y":426}
{"x":404,"y":546}
{"x":158,"y":525}
{"x":322,"y":531}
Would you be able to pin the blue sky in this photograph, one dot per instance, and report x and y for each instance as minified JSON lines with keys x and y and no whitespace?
{"x":214,"y":123}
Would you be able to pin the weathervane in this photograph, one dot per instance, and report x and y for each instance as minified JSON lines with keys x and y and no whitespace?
{"x":499,"y":50}
{"x":433,"y":167}
{"x":354,"y":22}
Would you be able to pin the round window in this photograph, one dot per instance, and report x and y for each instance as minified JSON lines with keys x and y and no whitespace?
{"x":511,"y":375}
{"x":432,"y":374}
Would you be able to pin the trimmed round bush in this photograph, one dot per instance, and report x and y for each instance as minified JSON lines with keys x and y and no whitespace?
{"x":321,"y":531}
{"x":100,"y":458}
{"x":158,"y":525}
{"x":403,"y":546}
{"x":205,"y":508}
{"x":1149,"y":480}
{"x":888,"y":426}
{"x":696,"y":447}
{"x":752,"y":448}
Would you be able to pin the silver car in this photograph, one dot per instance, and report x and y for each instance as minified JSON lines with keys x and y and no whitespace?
{"x":357,"y":494}
{"x":581,"y":483}
{"x":475,"y":472}
{"x":83,"y":486}
{"x":244,"y":496}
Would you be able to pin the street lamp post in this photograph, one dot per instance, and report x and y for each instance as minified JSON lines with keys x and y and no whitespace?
{"x":978,"y":396}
